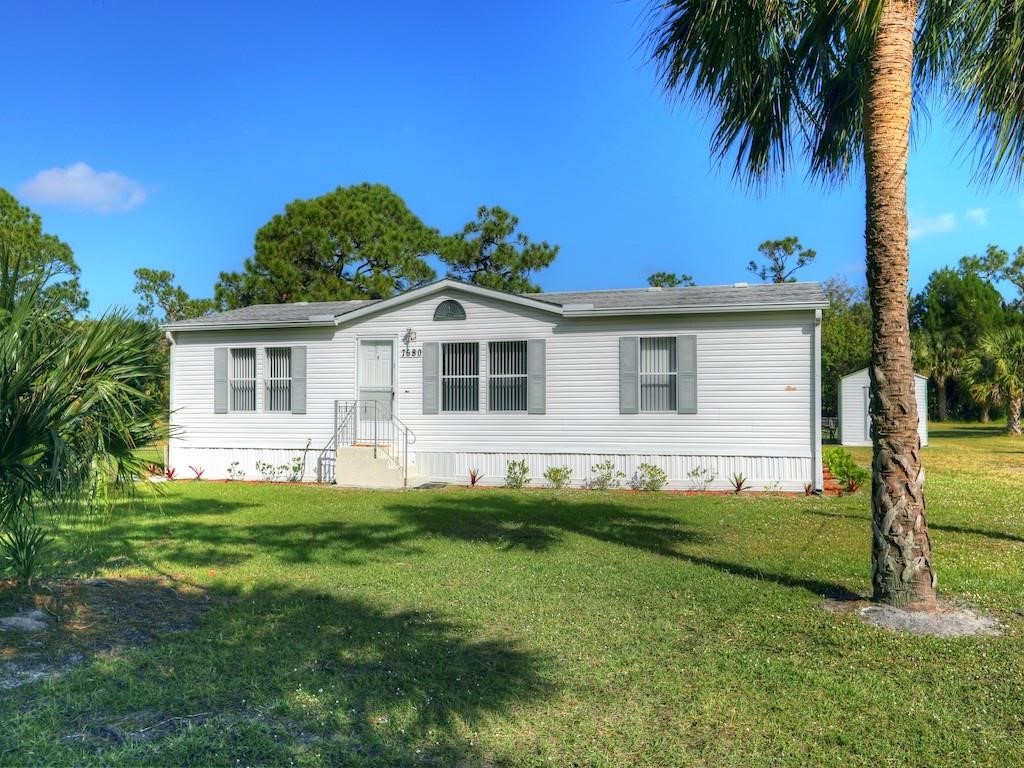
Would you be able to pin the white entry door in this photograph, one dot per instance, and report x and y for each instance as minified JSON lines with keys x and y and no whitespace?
{"x":376,"y":388}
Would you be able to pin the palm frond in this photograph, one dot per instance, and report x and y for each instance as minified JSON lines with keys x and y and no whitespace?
{"x":974,"y":51}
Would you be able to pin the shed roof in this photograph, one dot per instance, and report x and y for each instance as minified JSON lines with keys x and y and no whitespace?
{"x":859,"y":371}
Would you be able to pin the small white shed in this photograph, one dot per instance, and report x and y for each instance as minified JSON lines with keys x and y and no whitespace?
{"x":854,"y":400}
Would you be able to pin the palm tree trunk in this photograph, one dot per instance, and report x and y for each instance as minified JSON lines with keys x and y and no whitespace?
{"x":1013,"y":417}
{"x":941,"y":402}
{"x":985,"y":416}
{"x":902,"y":573}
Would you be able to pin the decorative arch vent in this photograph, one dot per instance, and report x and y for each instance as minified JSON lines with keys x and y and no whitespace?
{"x":449,"y":309}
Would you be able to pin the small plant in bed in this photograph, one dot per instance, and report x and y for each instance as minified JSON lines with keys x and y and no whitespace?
{"x":475,"y":476}
{"x":605,"y":476}
{"x":702,"y":477}
{"x":272,"y":473}
{"x":738,"y":482}
{"x":517,"y":474}
{"x":648,"y":477}
{"x":558,"y":477}
{"x":844,"y":468}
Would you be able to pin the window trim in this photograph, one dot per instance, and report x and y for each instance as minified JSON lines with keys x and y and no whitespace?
{"x":268,"y":380}
{"x":442,"y":377}
{"x":524,"y":377}
{"x":640,"y":374}
{"x":232,"y":379}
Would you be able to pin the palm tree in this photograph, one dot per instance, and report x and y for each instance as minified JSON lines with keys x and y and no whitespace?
{"x":998,"y":366}
{"x":76,"y":398}
{"x":835,"y":81}
{"x":942,"y":359}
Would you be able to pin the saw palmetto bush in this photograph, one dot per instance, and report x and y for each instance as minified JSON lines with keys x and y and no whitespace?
{"x":77,"y":398}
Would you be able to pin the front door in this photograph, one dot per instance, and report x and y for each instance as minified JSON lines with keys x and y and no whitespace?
{"x":376,"y":389}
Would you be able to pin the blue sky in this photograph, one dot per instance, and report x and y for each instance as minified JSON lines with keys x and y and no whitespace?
{"x":164,"y":135}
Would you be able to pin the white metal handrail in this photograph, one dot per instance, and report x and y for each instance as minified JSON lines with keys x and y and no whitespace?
{"x":389,"y":436}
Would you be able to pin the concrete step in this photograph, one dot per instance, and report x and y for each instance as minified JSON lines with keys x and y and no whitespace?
{"x":357,"y":467}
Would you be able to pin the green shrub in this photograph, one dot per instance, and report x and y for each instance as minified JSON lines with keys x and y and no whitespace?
{"x":22,"y":549}
{"x":559,"y":477}
{"x":648,"y":477}
{"x":701,"y":477}
{"x":605,"y":476}
{"x":844,"y":469}
{"x":517,"y":474}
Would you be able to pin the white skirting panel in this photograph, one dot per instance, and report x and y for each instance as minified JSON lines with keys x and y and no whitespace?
{"x":217,"y":461}
{"x":786,"y":473}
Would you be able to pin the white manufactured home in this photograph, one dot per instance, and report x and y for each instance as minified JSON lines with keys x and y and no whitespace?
{"x":855,"y":408}
{"x":450,"y":377}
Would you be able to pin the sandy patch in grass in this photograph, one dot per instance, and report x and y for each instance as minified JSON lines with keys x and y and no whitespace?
{"x":948,"y":621}
{"x":50,"y":632}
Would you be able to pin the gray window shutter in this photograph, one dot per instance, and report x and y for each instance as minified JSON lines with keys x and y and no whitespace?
{"x":629,"y":374}
{"x":298,"y":379}
{"x":431,"y":376}
{"x":686,"y":374}
{"x":220,"y":380}
{"x":536,"y":376}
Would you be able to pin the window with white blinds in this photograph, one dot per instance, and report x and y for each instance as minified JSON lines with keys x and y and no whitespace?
{"x":657,"y":374}
{"x":278,"y":379}
{"x":506,"y":380}
{"x":460,"y":377}
{"x":242,"y":380}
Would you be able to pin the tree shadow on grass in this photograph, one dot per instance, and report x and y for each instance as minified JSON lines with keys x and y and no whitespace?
{"x":278,"y":672}
{"x":188,"y":532}
{"x":965,"y":530}
{"x":538,"y":521}
{"x":974,"y":431}
{"x":533,"y":522}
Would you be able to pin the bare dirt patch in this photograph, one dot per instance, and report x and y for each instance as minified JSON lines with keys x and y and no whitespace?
{"x":949,"y":621}
{"x":66,"y":623}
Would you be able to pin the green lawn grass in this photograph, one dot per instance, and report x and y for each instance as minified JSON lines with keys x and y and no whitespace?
{"x":475,"y":627}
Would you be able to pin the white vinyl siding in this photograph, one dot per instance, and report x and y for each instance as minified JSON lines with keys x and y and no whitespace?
{"x":242,"y":380}
{"x":755,"y":391}
{"x":278,"y":378}
{"x":506,"y":376}
{"x":460,"y":377}
{"x":658,"y":375}
{"x":854,"y":408}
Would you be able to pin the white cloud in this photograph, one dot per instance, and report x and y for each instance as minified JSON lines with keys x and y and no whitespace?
{"x":944,"y":222}
{"x":977,"y":215}
{"x":79,"y":186}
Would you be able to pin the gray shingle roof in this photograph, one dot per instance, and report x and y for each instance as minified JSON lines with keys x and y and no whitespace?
{"x":277,"y":313}
{"x":633,"y":300}
{"x":692,"y":297}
